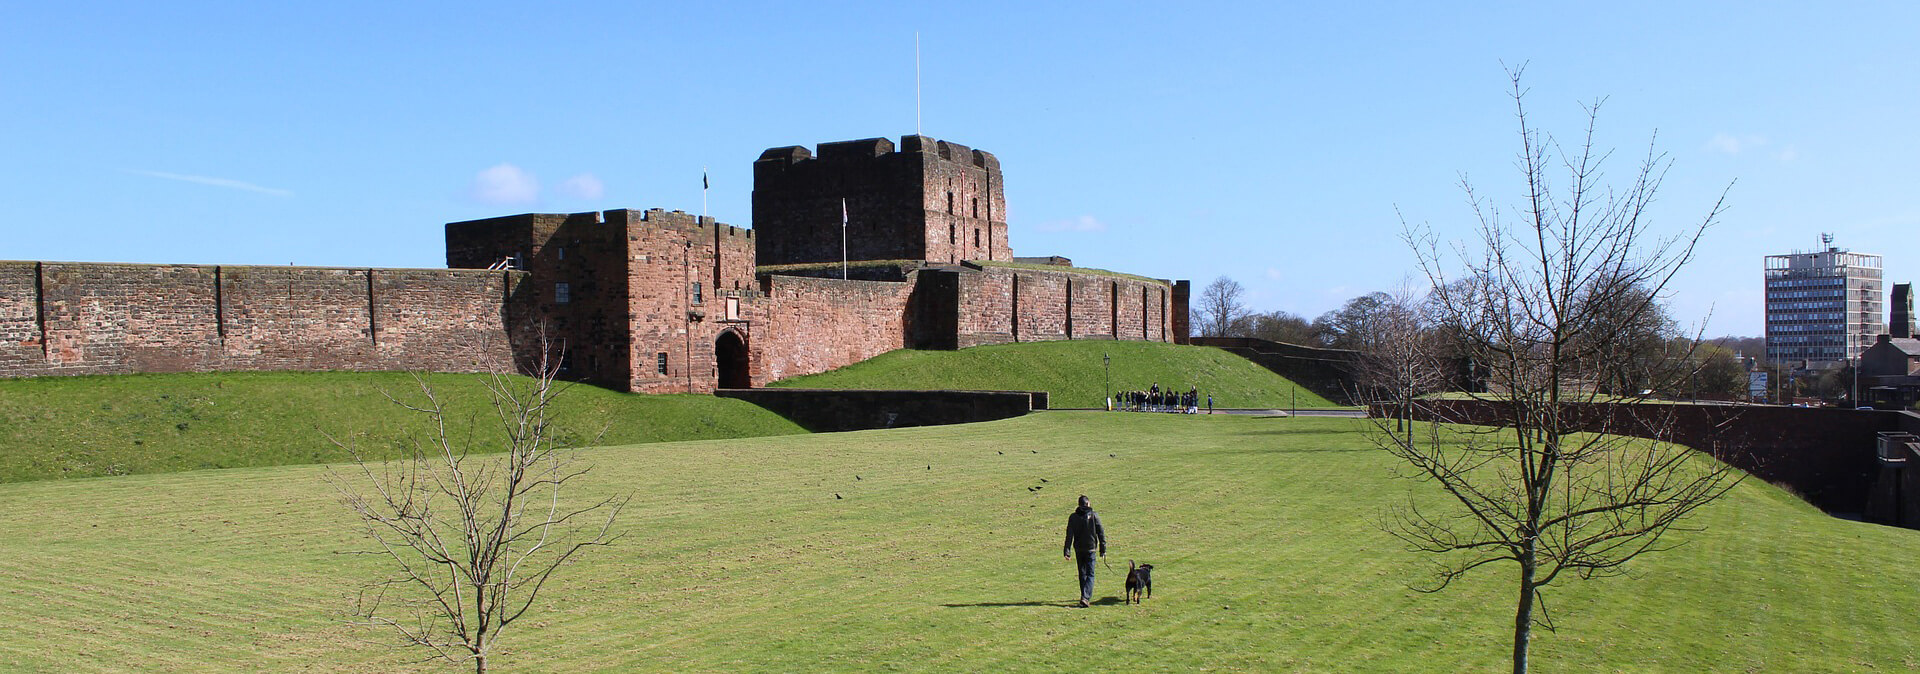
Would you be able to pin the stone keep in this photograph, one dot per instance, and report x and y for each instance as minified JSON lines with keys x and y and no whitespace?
{"x":927,"y":200}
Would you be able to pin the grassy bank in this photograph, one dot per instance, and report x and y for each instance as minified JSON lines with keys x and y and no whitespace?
{"x":942,"y":556}
{"x":64,"y":427}
{"x":1072,"y":373}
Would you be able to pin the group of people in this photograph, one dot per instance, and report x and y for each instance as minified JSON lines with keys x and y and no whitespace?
{"x":1155,"y":400}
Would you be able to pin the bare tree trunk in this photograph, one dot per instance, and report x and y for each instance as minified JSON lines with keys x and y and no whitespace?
{"x":1523,"y":613}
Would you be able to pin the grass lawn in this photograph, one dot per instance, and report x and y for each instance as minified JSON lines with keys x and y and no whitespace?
{"x":63,"y":427}
{"x":1072,"y":373}
{"x":941,"y":556}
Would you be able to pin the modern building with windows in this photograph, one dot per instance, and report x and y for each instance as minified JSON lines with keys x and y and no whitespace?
{"x":1824,"y":307}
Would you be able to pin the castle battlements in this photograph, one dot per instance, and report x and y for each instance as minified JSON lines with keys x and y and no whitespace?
{"x":871,"y":148}
{"x":857,"y":248}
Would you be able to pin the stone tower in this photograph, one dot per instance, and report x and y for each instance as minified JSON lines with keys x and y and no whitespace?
{"x":925,"y":199}
{"x":1901,"y":323}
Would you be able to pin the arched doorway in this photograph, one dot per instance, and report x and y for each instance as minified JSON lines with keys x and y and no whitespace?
{"x":730,"y":355}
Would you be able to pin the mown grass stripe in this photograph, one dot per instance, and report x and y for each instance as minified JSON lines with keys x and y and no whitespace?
{"x":738,"y":558}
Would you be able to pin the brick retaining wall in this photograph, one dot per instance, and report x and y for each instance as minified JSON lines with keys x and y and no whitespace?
{"x":1824,"y":454}
{"x":825,"y":410}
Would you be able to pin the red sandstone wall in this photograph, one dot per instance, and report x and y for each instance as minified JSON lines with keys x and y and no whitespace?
{"x":667,"y":252}
{"x":965,"y":203}
{"x":1000,"y":304}
{"x":986,"y":307}
{"x":294,"y":318}
{"x":1092,"y":318}
{"x":1040,"y":309}
{"x":442,"y":320}
{"x":127,"y":318}
{"x":20,"y":338}
{"x":1130,"y":319}
{"x":814,"y":325}
{"x":118,"y":318}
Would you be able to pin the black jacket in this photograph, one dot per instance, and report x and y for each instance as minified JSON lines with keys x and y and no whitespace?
{"x":1084,"y":533}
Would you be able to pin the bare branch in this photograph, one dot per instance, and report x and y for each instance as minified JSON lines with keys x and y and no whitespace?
{"x":1556,"y":307}
{"x":471,"y":538}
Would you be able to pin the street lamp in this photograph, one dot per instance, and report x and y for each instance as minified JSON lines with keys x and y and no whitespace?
{"x":1106,"y":361}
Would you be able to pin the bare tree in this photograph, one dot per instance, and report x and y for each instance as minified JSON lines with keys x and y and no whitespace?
{"x":1401,"y":357}
{"x":1551,"y":487}
{"x":1643,"y":348}
{"x":1220,"y":307}
{"x":471,"y":536}
{"x":1276,"y":326}
{"x":1356,"y":324}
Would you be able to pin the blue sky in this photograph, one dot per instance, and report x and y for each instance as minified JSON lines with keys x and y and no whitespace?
{"x":1269,"y":142}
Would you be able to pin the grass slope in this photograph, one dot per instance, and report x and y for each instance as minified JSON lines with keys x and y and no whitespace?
{"x":55,"y":427}
{"x":941,"y":556}
{"x":1071,"y":372}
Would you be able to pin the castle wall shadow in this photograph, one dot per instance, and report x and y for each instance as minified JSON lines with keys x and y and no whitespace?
{"x":1825,"y":455}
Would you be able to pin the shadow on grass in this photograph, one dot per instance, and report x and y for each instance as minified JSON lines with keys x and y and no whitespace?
{"x":1306,"y":433}
{"x":1106,"y":601}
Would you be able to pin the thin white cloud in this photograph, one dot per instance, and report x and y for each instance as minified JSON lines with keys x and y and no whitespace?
{"x":585,"y":186}
{"x":505,"y":185}
{"x":1084,"y":223}
{"x":1274,"y":273}
{"x":1788,"y":154}
{"x":214,"y":182}
{"x":1730,"y":144}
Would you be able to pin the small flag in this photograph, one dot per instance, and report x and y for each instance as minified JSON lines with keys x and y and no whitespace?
{"x":703,"y":179}
{"x":843,"y":212}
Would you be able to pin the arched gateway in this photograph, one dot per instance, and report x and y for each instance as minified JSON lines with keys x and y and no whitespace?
{"x":730,"y":357}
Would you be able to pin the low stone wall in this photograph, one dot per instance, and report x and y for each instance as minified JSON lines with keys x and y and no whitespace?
{"x":1825,"y":455}
{"x":830,"y":410}
{"x":1328,"y":372}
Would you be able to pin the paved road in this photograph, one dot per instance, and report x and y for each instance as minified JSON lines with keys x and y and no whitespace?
{"x":1346,"y":414}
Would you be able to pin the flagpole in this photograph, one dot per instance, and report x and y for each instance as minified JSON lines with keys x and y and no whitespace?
{"x":843,"y":238}
{"x":916,"y":83}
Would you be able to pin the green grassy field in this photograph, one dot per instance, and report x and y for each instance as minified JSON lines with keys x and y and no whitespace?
{"x":63,"y":427}
{"x":941,"y":557}
{"x":1072,"y":373}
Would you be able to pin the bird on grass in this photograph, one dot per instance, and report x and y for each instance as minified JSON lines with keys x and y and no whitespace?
{"x":836,"y":496}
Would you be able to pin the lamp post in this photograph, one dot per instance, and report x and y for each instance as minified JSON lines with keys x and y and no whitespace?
{"x":1106,"y":361}
{"x":1855,"y":396}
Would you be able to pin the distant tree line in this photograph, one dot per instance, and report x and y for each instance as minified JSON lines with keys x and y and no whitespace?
{"x":1649,"y":354}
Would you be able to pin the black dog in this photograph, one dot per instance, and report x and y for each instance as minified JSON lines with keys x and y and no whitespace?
{"x":1139,"y":580}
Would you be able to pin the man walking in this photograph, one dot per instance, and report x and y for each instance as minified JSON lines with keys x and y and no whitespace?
{"x":1084,"y":536}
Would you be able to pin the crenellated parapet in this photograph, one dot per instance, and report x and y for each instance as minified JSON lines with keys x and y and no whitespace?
{"x":870,"y":199}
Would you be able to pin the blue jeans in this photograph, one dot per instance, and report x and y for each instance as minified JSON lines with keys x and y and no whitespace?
{"x":1085,"y":560}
